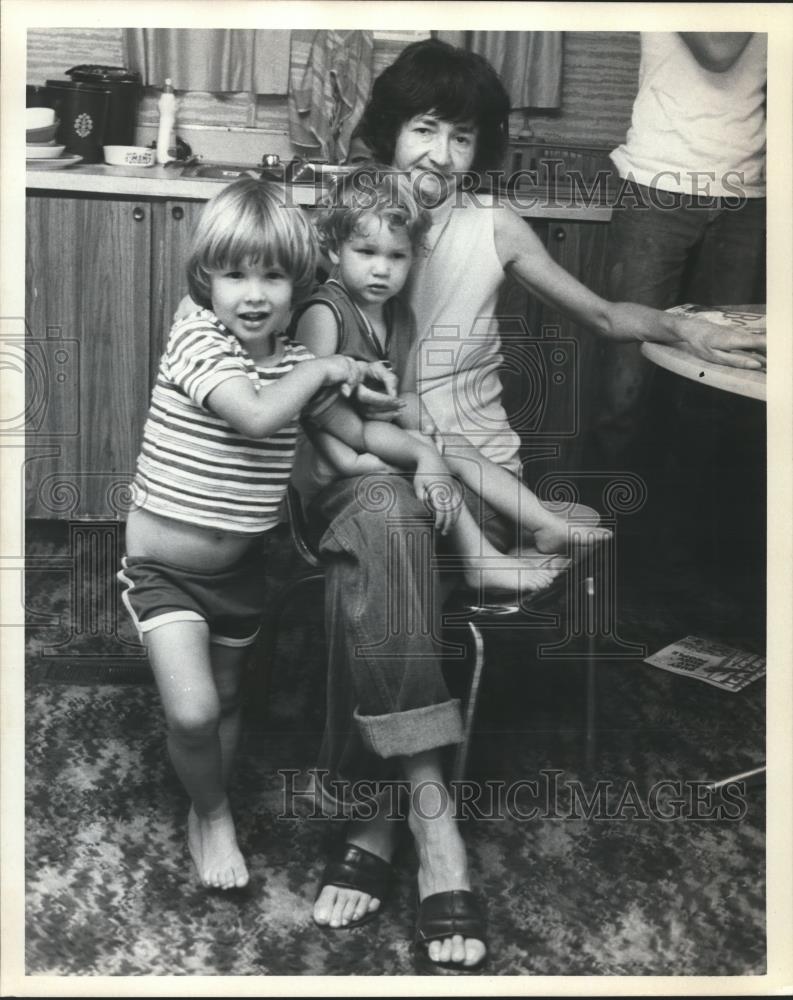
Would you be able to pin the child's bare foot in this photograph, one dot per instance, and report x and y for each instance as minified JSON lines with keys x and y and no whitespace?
{"x":505,"y":574}
{"x":212,"y":841}
{"x":560,"y":536}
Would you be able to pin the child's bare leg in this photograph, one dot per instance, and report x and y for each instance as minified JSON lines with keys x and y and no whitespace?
{"x":228,"y":663}
{"x":180,"y":657}
{"x":509,"y":496}
{"x":489,"y":569}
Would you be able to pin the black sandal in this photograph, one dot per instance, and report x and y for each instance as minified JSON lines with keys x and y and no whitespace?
{"x":444,"y":914}
{"x":358,"y":869}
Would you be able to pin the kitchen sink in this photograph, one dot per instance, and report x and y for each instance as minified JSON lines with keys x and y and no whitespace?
{"x":295,"y":172}
{"x":220,"y":171}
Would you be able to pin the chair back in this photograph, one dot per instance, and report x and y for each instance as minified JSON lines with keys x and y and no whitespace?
{"x":298,"y":527}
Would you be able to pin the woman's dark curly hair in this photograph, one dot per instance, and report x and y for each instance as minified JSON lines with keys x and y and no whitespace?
{"x":457,"y":86}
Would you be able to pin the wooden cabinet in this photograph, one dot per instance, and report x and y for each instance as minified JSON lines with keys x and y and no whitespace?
{"x":551,"y":374}
{"x":102,"y":276}
{"x":87,"y":302}
{"x":172,"y":226}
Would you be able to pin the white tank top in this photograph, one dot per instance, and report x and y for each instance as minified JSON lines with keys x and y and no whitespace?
{"x":453,"y":287}
{"x":687,"y":119}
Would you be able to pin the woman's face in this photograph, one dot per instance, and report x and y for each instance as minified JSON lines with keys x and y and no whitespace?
{"x":437,"y":153}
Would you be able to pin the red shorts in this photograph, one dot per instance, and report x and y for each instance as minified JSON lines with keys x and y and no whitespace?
{"x":231,"y":602}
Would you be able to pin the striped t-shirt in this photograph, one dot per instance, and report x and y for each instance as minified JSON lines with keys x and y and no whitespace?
{"x":193,"y":466}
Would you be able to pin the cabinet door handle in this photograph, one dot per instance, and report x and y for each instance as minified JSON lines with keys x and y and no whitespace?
{"x":138,"y":214}
{"x":560,"y":234}
{"x":177,"y":213}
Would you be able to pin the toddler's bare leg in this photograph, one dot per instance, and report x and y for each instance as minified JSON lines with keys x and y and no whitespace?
{"x":509,"y":496}
{"x":198,"y":741}
{"x":488,"y":569}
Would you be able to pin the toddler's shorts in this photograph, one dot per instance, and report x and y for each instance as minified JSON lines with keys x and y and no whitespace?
{"x":231,"y":602}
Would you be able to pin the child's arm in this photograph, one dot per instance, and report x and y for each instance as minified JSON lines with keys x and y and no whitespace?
{"x":346,"y":460}
{"x":318,"y":330}
{"x":258,"y":414}
{"x":432,"y":482}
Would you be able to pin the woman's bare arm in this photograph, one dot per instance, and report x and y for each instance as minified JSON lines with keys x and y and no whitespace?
{"x":523,"y":255}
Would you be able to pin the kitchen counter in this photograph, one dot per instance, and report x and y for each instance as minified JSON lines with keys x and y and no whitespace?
{"x":167,"y":182}
{"x":138,"y":182}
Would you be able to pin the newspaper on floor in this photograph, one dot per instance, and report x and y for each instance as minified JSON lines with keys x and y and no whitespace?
{"x":705,"y":660}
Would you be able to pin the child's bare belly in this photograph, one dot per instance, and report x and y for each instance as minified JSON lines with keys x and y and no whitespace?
{"x":204,"y":549}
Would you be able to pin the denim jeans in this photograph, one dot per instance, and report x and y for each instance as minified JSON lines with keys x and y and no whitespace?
{"x":676,"y":248}
{"x":386,"y":695}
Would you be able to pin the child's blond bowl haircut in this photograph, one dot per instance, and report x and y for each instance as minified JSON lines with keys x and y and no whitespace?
{"x":250,"y":222}
{"x":371,"y":189}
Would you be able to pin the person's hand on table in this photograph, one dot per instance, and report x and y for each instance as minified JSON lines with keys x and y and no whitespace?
{"x":721,"y":345}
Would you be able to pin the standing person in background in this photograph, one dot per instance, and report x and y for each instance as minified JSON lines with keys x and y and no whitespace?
{"x":696,"y":152}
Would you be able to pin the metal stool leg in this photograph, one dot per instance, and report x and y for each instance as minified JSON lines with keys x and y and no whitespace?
{"x":591,"y":679}
{"x":461,"y":756}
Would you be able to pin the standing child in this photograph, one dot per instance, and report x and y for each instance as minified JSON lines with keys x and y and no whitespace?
{"x":217,"y":453}
{"x":370,"y":230}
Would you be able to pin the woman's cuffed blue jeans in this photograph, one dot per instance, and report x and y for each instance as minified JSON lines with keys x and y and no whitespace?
{"x":386,"y":695}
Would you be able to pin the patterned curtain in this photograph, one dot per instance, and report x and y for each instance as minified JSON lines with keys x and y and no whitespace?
{"x":330,"y":78}
{"x":528,"y":62}
{"x":210,"y":60}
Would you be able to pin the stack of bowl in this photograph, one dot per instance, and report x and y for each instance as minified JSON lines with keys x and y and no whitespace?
{"x":40,"y":128}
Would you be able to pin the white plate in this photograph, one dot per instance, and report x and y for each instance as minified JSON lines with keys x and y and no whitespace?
{"x":67,"y":160}
{"x":43,"y":152}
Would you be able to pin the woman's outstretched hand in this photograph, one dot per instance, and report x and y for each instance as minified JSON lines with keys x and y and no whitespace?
{"x":722,"y":345}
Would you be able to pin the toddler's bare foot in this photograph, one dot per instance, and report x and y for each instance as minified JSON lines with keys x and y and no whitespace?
{"x":212,"y":841}
{"x":504,"y":574}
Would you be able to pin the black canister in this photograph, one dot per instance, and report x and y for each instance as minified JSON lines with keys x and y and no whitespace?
{"x":82,"y":111}
{"x":35,"y":96}
{"x":125,"y":92}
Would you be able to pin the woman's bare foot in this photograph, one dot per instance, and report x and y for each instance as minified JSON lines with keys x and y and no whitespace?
{"x":338,"y":907}
{"x":212,"y":841}
{"x":443,"y":867}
